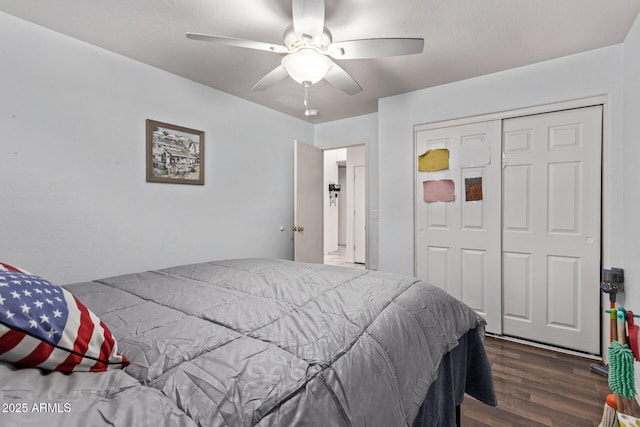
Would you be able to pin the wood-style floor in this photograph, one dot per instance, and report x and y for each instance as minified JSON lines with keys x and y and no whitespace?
{"x":538,"y":387}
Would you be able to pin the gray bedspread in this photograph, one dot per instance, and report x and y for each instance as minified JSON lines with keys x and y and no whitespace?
{"x":252,"y":342}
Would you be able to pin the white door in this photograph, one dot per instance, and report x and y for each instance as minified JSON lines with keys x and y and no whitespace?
{"x":359,"y":217}
{"x":551,"y":228}
{"x":458,"y":243}
{"x":308,"y":206}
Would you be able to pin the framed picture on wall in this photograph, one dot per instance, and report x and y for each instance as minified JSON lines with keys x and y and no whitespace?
{"x":175,"y":154}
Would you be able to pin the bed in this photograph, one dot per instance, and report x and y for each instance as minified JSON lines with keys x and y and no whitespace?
{"x":262,"y":342}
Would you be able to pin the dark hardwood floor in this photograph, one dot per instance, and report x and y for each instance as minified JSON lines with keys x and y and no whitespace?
{"x":538,"y":387}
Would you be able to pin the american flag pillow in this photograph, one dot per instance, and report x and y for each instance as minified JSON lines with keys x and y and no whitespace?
{"x":44,"y":326}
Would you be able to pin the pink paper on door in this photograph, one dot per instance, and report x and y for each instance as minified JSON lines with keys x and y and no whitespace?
{"x":441,"y":190}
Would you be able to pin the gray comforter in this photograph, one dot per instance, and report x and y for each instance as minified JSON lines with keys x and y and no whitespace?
{"x":252,"y":342}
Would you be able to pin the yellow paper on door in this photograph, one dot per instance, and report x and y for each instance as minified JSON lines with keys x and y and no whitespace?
{"x":433,"y":160}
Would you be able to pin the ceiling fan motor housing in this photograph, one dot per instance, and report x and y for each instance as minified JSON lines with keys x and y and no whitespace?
{"x":293,"y":43}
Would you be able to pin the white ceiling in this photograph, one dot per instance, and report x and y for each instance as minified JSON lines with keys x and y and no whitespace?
{"x":463,"y":38}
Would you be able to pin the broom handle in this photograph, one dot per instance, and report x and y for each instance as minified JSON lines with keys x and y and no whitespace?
{"x":622,"y":339}
{"x":622,"y":333}
{"x":619,"y":403}
{"x":612,"y":325}
{"x":614,"y":329}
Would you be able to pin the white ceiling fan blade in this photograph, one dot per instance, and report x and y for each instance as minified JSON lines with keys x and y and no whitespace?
{"x":375,"y":48}
{"x":342,"y":80}
{"x":274,"y":76}
{"x":230,"y":41}
{"x":308,"y":18}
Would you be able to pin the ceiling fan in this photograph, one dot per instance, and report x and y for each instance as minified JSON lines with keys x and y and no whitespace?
{"x":308,"y":49}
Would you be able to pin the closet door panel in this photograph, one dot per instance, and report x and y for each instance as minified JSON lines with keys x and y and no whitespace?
{"x":552,"y":211}
{"x":458,"y":242}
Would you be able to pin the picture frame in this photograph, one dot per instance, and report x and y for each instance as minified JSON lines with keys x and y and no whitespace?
{"x":175,"y":154}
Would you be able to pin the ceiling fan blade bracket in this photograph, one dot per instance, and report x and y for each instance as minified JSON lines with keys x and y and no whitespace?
{"x":308,"y":18}
{"x":336,"y":52}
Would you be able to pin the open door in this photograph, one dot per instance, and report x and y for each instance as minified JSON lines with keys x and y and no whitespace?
{"x":308,"y":209}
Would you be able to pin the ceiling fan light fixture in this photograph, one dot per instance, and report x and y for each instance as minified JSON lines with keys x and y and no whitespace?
{"x":306,"y":65}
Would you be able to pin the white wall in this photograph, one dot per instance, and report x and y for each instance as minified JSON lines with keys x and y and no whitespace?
{"x":631,"y":177}
{"x":355,"y":131}
{"x":75,"y":204}
{"x":593,"y":73}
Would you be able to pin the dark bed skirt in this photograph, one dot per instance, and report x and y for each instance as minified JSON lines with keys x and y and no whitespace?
{"x":465,"y":369}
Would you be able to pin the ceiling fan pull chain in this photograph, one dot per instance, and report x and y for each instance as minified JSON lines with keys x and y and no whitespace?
{"x":308,"y":112}
{"x":306,"y":95}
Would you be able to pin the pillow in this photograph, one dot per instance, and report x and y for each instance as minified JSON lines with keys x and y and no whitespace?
{"x":44,"y":326}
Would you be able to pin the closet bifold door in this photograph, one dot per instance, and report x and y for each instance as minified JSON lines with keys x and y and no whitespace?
{"x":551,"y":228}
{"x":458,"y":242}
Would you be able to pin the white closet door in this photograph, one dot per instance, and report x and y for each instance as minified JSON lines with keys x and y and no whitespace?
{"x":458,"y":243}
{"x":551,"y":228}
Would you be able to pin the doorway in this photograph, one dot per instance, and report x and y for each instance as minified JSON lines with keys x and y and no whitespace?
{"x":345,"y":206}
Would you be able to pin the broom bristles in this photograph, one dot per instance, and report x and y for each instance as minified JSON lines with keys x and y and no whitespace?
{"x":621,"y":377}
